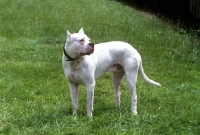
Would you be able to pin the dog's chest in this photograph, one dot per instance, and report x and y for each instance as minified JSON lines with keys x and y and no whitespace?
{"x":75,"y":78}
{"x":75,"y":75}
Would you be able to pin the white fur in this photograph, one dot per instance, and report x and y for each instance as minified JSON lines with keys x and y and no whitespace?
{"x":119,"y":57}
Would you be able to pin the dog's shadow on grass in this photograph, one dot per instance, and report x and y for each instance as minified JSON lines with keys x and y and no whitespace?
{"x":64,"y":115}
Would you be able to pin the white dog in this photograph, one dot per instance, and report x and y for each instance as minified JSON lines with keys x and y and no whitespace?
{"x":83,"y":62}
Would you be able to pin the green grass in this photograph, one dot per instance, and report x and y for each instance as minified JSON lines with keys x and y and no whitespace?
{"x":34,"y":94}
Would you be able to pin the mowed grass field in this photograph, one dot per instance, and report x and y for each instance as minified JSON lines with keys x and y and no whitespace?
{"x":34,"y":94}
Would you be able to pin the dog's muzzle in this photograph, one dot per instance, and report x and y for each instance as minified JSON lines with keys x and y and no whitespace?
{"x":91,"y":50}
{"x":92,"y":45}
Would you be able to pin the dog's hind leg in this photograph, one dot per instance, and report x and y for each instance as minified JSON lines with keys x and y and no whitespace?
{"x":131,"y":80}
{"x":131,"y":72}
{"x":74,"y":97}
{"x":117,"y":78}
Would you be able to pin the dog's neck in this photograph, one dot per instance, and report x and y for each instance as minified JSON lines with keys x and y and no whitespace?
{"x":68,"y":57}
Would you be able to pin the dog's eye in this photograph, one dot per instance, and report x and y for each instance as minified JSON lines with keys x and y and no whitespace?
{"x":82,"y":40}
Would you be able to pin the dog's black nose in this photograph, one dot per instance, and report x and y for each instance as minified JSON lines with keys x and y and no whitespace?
{"x":91,"y":44}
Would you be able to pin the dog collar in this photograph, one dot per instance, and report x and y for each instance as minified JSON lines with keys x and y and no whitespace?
{"x":68,"y":57}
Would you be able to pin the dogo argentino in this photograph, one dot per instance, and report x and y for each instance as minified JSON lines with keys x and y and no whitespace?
{"x":83,"y":62}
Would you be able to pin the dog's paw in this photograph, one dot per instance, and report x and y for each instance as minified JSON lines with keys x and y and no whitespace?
{"x":134,"y":112}
{"x":89,"y":114}
{"x":74,"y":112}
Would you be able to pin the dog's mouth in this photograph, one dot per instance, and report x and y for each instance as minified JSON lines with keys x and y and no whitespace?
{"x":87,"y":53}
{"x":90,"y":50}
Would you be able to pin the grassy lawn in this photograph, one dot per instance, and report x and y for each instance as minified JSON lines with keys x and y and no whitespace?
{"x":34,"y":94}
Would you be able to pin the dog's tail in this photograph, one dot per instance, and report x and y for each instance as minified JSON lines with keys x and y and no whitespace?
{"x":146,"y":79}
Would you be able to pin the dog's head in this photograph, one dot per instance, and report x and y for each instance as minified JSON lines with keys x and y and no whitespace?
{"x":78,"y":44}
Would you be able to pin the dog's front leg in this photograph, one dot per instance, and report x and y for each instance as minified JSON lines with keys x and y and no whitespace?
{"x":90,"y":98}
{"x":74,"y":97}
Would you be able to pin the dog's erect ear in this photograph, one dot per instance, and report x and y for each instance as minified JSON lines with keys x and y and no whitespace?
{"x":68,"y":35}
{"x":81,"y":31}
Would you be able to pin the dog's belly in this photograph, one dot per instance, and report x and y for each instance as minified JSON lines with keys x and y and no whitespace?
{"x":115,"y":68}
